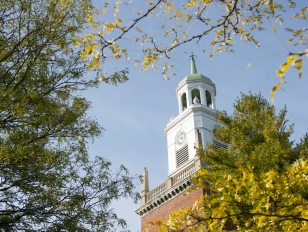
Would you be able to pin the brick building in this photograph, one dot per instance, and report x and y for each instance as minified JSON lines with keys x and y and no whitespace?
{"x":190,"y":129}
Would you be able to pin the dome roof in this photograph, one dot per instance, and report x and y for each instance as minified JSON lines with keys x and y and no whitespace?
{"x":194,"y":75}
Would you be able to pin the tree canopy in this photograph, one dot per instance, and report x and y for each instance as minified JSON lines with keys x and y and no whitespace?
{"x":259,"y":183}
{"x":148,"y":33}
{"x":47,"y":181}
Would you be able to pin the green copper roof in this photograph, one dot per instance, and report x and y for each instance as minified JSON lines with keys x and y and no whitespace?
{"x":194,"y":75}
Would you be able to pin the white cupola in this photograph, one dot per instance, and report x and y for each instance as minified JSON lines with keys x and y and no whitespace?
{"x":194,"y":125}
{"x":195,"y":87}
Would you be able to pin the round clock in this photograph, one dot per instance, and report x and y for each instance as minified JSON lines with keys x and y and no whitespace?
{"x":180,"y":138}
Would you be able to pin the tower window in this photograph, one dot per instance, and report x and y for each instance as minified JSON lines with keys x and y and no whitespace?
{"x":195,"y":93}
{"x":184,"y":101}
{"x":182,"y":156}
{"x":208,"y":98}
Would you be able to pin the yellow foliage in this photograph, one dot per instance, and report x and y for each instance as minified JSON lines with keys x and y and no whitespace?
{"x":149,"y":59}
{"x":292,"y":61}
{"x":188,"y":17}
{"x":236,"y":21}
{"x":77,"y":44}
{"x":263,"y":188}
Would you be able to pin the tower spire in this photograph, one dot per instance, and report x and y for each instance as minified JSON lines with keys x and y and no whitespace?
{"x":193,"y":68}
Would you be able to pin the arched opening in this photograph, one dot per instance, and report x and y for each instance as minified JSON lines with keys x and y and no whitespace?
{"x":208,"y":99}
{"x":195,"y":96}
{"x":184,"y":101}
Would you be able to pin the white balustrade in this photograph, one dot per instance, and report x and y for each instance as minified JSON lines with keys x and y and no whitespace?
{"x":187,"y":172}
{"x":190,"y":170}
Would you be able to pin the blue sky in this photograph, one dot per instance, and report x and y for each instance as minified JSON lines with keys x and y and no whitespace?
{"x":134,"y":114}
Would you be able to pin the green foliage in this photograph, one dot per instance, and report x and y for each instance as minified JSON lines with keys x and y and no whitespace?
{"x":259,"y":183}
{"x":47,"y":182}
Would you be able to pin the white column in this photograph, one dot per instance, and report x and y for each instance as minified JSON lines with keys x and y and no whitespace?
{"x":202,"y":95}
{"x":213,"y":100}
{"x":189,"y":97}
{"x":180,"y":102}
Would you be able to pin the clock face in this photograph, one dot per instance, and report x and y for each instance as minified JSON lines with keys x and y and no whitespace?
{"x":180,"y":138}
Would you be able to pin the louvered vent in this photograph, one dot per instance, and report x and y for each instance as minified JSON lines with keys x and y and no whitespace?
{"x":182,"y":156}
{"x":219,"y":145}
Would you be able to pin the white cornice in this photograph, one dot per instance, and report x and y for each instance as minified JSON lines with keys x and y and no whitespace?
{"x":178,"y":170}
{"x":196,"y":81}
{"x":164,"y":197}
{"x":193,"y":109}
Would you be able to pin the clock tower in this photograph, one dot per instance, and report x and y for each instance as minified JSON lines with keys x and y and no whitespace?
{"x":194,"y":125}
{"x":191,"y":129}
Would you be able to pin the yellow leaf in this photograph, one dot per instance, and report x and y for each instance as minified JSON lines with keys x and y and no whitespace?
{"x":189,"y":17}
{"x":280,"y":73}
{"x":275,"y":28}
{"x":83,"y":56}
{"x":118,"y":20}
{"x":299,"y":64}
{"x":138,"y":29}
{"x":117,"y":56}
{"x":109,"y":26}
{"x":284,"y":67}
{"x":90,"y":49}
{"x":273,"y":91}
{"x":291,"y":59}
{"x":77,"y":44}
{"x":103,"y":78}
{"x":124,"y":50}
{"x":218,"y":32}
{"x":136,"y":63}
{"x":90,"y":38}
{"x":251,"y":63}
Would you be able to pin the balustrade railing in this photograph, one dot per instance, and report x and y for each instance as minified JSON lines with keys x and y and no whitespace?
{"x":187,"y":172}
{"x":183,"y":174}
{"x":155,"y":192}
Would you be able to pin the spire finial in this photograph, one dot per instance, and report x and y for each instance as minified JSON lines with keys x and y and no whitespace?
{"x":193,"y":64}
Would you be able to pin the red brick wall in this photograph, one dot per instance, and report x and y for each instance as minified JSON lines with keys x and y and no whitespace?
{"x":162,"y":212}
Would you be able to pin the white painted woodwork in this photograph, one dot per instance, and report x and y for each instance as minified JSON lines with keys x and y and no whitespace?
{"x":196,"y":116}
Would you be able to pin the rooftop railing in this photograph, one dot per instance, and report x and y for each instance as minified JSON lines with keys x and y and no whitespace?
{"x":190,"y":170}
{"x":155,"y":192}
{"x":185,"y":173}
